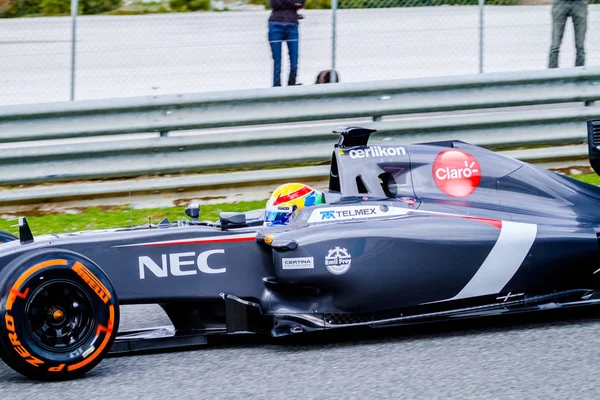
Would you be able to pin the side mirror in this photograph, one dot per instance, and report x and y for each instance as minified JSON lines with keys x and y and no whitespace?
{"x":232,"y":218}
{"x":193,"y":211}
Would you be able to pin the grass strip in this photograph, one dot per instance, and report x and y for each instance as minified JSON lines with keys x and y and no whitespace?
{"x":592,"y":179}
{"x":96,"y":218}
{"x":100,"y":218}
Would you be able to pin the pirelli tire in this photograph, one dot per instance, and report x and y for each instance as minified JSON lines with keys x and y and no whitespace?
{"x":59,"y":315}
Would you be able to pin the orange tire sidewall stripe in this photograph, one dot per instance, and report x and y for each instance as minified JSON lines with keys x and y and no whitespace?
{"x":111,"y":324}
{"x":91,"y":280}
{"x":12,"y":295}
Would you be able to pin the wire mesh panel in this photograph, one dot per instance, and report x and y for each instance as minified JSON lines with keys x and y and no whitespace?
{"x":120,"y":56}
{"x":189,"y":52}
{"x":315,"y":44}
{"x":172,"y":53}
{"x":518,"y":37}
{"x":386,"y":39}
{"x":35,"y":60}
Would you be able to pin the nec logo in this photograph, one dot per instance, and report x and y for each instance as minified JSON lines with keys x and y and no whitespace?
{"x":327,"y":214}
{"x":179,"y":264}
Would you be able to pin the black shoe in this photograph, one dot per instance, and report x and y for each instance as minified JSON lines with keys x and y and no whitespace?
{"x":292,"y":79}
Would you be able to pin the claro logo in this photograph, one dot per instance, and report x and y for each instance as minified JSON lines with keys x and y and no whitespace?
{"x":456,"y":173}
{"x":179,"y":264}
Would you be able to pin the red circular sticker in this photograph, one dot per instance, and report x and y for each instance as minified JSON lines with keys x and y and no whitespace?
{"x":456,"y":173}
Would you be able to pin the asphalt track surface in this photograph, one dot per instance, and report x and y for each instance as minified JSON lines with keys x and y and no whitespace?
{"x":550,"y":356}
{"x":122,"y":56}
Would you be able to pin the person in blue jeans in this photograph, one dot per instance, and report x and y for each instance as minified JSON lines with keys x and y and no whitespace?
{"x":561,"y":11}
{"x":283,"y":27}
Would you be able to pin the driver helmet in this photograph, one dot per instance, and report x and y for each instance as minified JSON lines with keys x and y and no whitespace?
{"x":287,"y":200}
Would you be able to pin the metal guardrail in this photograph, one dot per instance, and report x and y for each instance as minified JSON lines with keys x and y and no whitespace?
{"x":482,"y":99}
{"x":211,"y":182}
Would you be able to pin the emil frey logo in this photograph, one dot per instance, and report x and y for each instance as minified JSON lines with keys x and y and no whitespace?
{"x":338,"y":261}
{"x":456,"y":173}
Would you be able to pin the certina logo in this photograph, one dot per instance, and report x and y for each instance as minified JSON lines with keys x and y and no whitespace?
{"x":298,"y":263}
{"x":456,"y":173}
{"x":377,"y":151}
{"x":179,"y":264}
{"x":338,"y":260}
{"x":356,"y":212}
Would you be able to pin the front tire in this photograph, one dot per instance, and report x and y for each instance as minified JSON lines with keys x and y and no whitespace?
{"x":6,"y":237}
{"x":59,"y":315}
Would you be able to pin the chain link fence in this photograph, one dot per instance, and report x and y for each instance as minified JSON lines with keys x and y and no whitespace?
{"x":388,"y":39}
{"x":160,"y":53}
{"x":519,"y":37}
{"x":35,"y":60}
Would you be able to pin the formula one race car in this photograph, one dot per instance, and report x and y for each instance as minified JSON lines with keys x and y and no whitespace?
{"x":407,"y":234}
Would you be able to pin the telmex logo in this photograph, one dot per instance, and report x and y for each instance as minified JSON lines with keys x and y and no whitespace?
{"x":327,"y":215}
{"x":179,"y":264}
{"x":350,"y":213}
{"x":456,"y":173}
{"x":357,"y":212}
{"x":377,"y":151}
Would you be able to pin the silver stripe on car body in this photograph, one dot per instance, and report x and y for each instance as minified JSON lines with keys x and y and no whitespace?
{"x":507,"y":255}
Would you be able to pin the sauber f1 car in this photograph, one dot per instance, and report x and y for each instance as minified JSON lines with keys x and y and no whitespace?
{"x":407,"y":234}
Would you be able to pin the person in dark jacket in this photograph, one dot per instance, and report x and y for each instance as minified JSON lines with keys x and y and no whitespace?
{"x":283,"y":27}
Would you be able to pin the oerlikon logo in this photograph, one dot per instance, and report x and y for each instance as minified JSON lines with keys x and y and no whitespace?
{"x":456,"y":173}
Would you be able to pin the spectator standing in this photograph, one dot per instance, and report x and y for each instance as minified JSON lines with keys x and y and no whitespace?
{"x":561,"y":11}
{"x":283,"y":27}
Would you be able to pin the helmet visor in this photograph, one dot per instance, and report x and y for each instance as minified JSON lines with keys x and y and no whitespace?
{"x":277,"y":217}
{"x":280,"y":215}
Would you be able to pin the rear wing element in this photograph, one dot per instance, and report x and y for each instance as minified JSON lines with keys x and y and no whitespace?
{"x":351,"y":136}
{"x":593,"y":131}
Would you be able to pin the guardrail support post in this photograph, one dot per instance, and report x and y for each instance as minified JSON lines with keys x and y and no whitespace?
{"x":74,"y":9}
{"x":334,"y":6}
{"x":481,"y":47}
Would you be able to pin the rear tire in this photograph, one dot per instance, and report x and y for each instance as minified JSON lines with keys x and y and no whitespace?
{"x":59,"y":315}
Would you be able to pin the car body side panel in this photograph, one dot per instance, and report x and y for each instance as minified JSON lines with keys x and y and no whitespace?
{"x":561,"y":258}
{"x":399,"y":262}
{"x":173,"y":264}
{"x":421,"y":259}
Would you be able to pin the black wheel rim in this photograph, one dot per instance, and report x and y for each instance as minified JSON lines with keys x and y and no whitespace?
{"x":60,"y":315}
